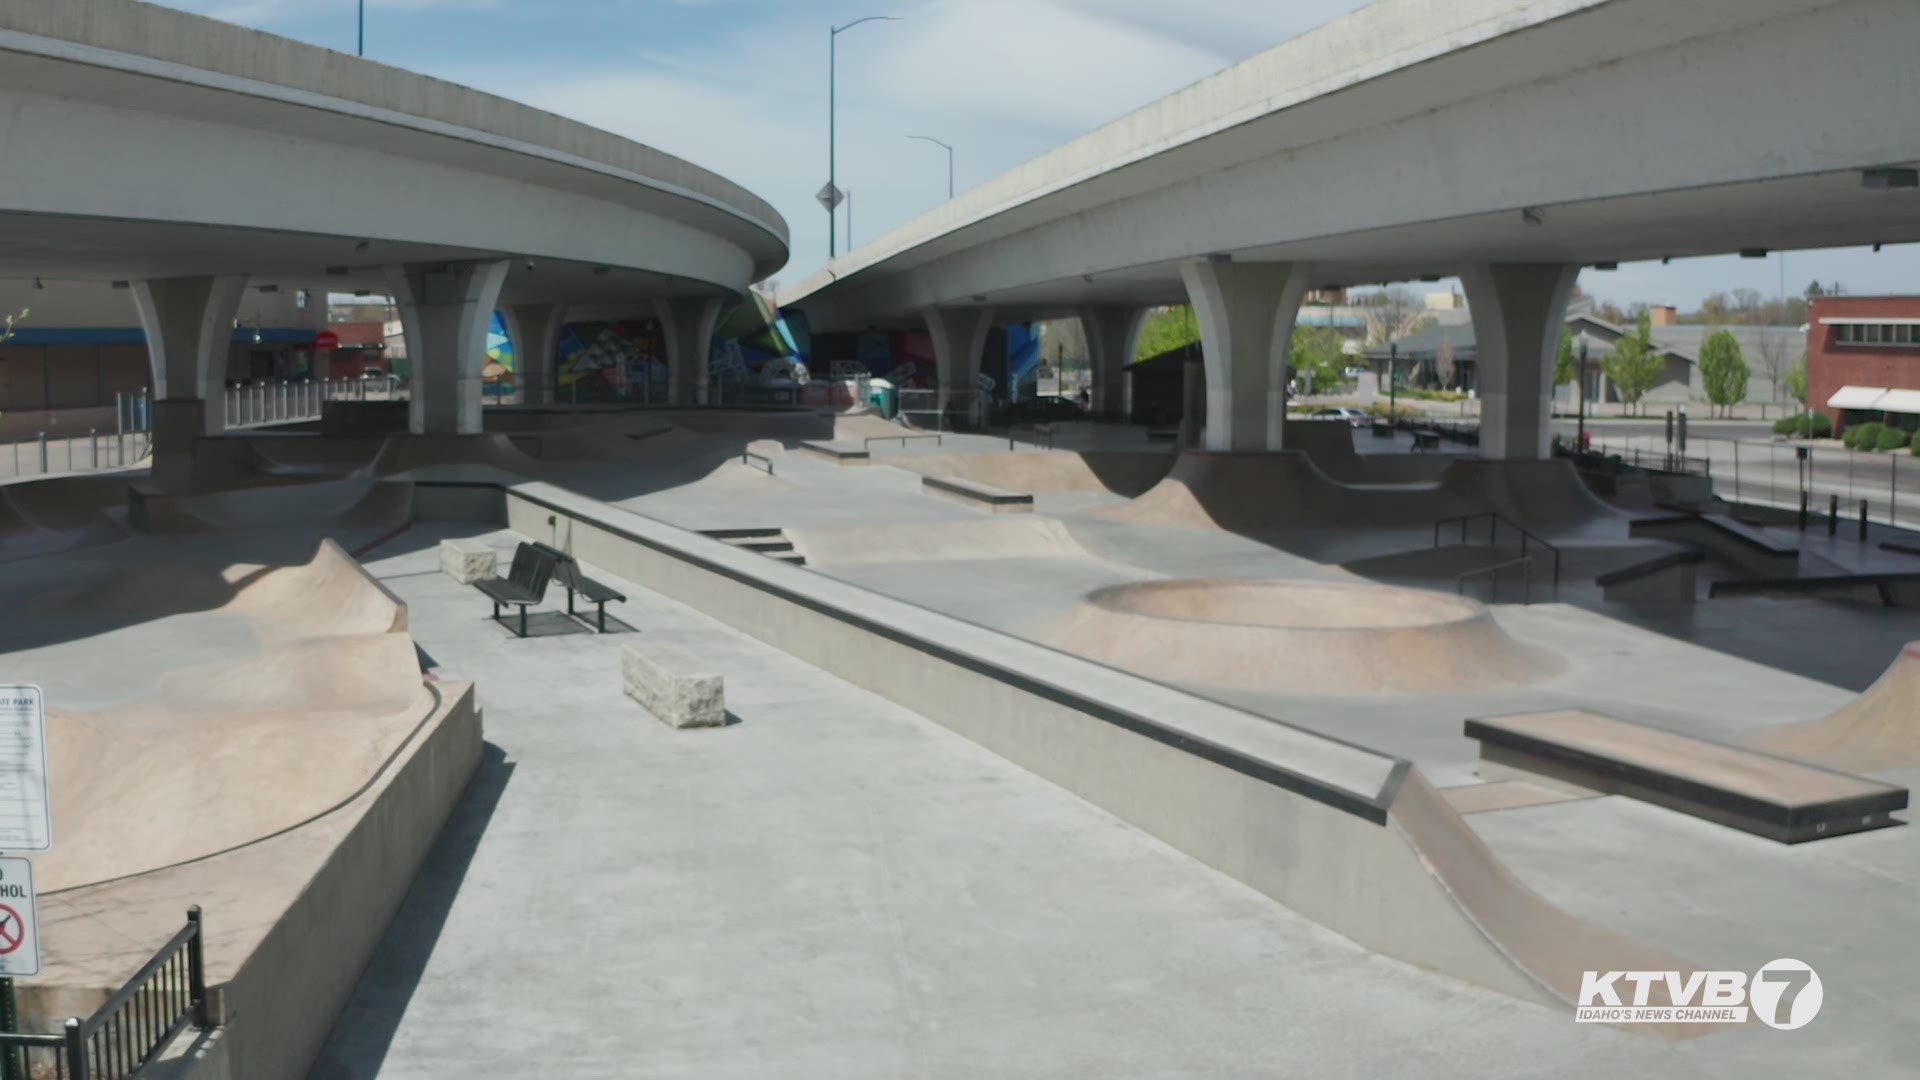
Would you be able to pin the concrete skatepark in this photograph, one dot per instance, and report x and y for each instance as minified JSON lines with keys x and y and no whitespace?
{"x":1391,"y":833}
{"x":1274,"y":748}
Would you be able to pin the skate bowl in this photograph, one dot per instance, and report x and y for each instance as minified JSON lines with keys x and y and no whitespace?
{"x":1878,"y":730}
{"x":1304,"y":637}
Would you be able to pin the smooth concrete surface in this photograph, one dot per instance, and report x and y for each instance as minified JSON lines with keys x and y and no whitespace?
{"x":838,"y":886}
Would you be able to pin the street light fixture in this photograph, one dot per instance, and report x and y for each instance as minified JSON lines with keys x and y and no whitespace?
{"x":830,"y":195}
{"x":949,"y":149}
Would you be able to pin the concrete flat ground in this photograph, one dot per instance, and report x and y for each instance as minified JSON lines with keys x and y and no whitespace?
{"x":834,"y":886}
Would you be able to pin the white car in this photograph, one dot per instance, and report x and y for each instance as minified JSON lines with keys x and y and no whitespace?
{"x":1341,"y":412}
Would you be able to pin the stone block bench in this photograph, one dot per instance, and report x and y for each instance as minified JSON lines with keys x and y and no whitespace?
{"x":467,"y":561}
{"x":998,"y":500}
{"x":1778,"y":798}
{"x":674,"y":685}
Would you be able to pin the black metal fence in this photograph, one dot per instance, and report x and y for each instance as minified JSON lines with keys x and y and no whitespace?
{"x":127,"y":1034}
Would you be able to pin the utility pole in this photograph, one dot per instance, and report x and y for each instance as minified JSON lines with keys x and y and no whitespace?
{"x":362,"y":51}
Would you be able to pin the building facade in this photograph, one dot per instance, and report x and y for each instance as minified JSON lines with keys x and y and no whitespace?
{"x":1863,"y":359}
{"x":80,"y":347}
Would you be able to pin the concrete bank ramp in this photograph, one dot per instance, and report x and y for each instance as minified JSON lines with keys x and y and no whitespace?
{"x":1286,"y":491}
{"x":939,"y":541}
{"x":1330,"y":444}
{"x":355,"y":504}
{"x":1128,"y":473}
{"x":1274,"y":493}
{"x":246,"y":699}
{"x":39,"y":517}
{"x":1302,"y":637}
{"x":1878,"y":730}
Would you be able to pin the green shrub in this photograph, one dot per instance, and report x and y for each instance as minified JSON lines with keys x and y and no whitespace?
{"x":1892,"y":438}
{"x":1863,"y":436}
{"x":1796,"y":425}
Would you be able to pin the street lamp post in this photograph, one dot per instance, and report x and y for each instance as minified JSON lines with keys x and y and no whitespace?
{"x":1580,"y":439}
{"x":1393,"y":383}
{"x":949,"y":149}
{"x":831,"y":196}
{"x":362,"y":50}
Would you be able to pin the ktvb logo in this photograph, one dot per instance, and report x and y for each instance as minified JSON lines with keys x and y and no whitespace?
{"x":1784,"y":994}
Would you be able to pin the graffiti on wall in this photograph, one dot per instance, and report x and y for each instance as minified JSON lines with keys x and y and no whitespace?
{"x":612,"y":359}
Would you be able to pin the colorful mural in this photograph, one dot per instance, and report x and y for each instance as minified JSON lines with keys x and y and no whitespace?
{"x":500,"y":375}
{"x":612,"y":360}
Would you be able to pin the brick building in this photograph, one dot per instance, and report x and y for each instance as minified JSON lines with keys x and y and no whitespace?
{"x":1863,"y":359}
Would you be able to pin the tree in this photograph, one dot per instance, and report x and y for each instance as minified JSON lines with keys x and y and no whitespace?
{"x":1723,"y":369}
{"x":1563,"y":361}
{"x":1770,"y":361}
{"x":6,"y":328}
{"x":1317,"y":358}
{"x":1168,"y":329}
{"x":1443,"y":363}
{"x":1632,"y":363}
{"x":1392,"y":314}
{"x":1797,"y":380}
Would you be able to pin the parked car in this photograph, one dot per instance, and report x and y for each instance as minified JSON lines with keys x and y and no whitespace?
{"x":1341,"y":412}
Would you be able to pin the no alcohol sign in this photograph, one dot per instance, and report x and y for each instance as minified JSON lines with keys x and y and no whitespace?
{"x":19,"y":920}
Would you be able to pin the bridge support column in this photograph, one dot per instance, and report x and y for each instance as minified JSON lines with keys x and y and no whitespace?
{"x":1518,"y":309}
{"x":447,"y":312}
{"x":535,"y":330}
{"x":189,"y":330}
{"x":1246,"y":313}
{"x":1112,"y":334}
{"x":687,"y":323}
{"x":959,"y":341}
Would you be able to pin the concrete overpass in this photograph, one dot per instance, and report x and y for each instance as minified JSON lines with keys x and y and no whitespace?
{"x":186,"y":157}
{"x":1510,"y":142}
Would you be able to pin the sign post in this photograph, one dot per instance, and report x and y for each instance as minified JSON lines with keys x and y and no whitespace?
{"x":26,"y":824}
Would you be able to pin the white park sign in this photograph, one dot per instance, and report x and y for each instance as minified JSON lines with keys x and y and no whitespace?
{"x":26,"y":815}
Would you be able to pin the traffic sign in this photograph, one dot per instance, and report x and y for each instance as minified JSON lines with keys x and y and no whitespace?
{"x":831,"y":197}
{"x":325,"y":341}
{"x":26,"y":816}
{"x":19,"y":920}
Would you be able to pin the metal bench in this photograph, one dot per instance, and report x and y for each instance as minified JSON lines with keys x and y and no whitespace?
{"x":524,"y":585}
{"x":566,"y":571}
{"x":1425,"y":440}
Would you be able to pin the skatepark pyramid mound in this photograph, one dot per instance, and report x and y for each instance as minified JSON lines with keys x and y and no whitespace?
{"x":1879,"y":730}
{"x":1303,"y":637}
{"x":242,"y":699}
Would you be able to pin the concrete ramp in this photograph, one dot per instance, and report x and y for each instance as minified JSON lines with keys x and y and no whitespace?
{"x":1276,"y":493}
{"x":1545,"y":494}
{"x":1330,"y":444}
{"x":38,"y":517}
{"x":1048,"y":471}
{"x":1879,"y":730}
{"x":999,"y":538}
{"x":1299,"y":637}
{"x":347,"y":504}
{"x":298,"y":684}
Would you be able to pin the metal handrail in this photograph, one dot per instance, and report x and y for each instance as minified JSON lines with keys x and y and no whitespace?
{"x":748,"y":456}
{"x":1493,"y":532}
{"x":128,"y":1033}
{"x":904,"y":439}
{"x":1034,"y":429}
{"x":1493,"y":593}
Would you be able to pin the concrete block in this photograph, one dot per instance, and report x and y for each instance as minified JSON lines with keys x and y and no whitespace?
{"x":673,"y":685}
{"x":467,"y":561}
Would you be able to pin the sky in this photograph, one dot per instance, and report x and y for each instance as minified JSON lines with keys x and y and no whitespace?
{"x":740,"y":87}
